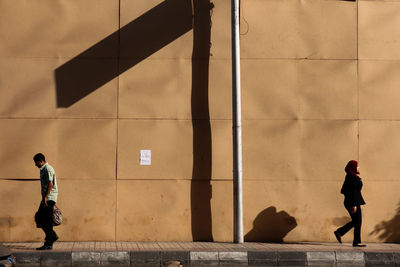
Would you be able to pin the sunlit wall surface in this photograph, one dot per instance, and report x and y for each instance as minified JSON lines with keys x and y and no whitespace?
{"x":91,"y":83}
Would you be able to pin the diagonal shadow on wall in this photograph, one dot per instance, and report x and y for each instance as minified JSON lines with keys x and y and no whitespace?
{"x":136,"y":41}
{"x":139,"y":39}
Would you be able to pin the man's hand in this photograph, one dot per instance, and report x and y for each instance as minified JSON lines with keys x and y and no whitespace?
{"x":44,"y":201}
{"x":354,"y":209}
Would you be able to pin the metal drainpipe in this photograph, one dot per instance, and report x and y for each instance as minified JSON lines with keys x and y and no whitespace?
{"x":237,"y":125}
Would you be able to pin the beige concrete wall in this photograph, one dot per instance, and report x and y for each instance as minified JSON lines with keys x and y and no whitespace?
{"x":320,"y":87}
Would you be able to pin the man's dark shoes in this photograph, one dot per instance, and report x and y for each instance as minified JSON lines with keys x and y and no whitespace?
{"x":338,"y":237}
{"x":55,"y":238}
{"x":359,"y":245}
{"x":45,"y":247}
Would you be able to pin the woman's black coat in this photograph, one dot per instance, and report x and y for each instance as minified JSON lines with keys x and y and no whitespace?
{"x":351,"y":190}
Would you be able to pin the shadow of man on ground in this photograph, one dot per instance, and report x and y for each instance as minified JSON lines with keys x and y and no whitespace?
{"x":271,"y":226}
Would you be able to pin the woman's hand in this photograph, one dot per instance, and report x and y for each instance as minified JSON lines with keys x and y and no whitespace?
{"x":354,"y":209}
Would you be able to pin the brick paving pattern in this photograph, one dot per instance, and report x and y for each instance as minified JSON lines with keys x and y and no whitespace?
{"x":202,"y":246}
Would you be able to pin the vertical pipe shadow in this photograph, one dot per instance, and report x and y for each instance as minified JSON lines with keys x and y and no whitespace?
{"x":201,"y":190}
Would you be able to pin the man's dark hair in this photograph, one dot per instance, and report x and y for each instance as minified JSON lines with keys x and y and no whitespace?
{"x":39,"y":157}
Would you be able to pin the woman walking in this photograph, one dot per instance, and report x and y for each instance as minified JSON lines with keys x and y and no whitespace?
{"x":353,"y":200}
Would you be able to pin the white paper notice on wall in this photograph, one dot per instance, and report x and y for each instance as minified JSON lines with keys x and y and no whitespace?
{"x":145,"y":157}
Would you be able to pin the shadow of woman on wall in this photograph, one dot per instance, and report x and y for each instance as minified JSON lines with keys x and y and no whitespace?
{"x":271,"y":226}
{"x":389,"y":231}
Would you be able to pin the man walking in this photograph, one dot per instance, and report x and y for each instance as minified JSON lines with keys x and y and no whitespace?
{"x":44,"y":216}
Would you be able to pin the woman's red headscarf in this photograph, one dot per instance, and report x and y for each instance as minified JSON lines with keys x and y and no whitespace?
{"x":351,"y":168}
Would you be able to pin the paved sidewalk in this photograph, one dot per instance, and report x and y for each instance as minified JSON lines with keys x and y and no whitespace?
{"x":203,"y":253}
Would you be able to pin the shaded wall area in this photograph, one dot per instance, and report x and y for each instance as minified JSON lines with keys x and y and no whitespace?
{"x":388,"y":231}
{"x":137,"y":41}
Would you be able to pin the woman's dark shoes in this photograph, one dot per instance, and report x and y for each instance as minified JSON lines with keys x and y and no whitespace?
{"x":45,"y":247}
{"x":359,"y":245}
{"x":338,"y":237}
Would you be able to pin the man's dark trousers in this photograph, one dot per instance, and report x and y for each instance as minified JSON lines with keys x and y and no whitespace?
{"x":45,"y":221}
